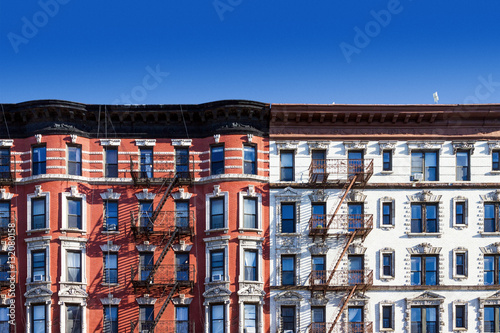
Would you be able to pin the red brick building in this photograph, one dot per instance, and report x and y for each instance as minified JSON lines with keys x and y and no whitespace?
{"x":135,"y":218}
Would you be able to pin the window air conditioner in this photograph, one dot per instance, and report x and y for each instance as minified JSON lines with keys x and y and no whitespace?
{"x":217,"y":277}
{"x":417,"y":177}
{"x":38,"y":277}
{"x":112,"y":227}
{"x":250,"y":330}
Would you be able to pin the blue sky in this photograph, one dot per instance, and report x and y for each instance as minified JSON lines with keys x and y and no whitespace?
{"x":196,"y":51}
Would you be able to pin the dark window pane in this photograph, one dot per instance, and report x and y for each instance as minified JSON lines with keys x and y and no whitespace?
{"x":146,"y":163}
{"x":111,"y":215}
{"x":495,"y":160}
{"x":111,"y":162}
{"x":287,"y":218}
{"x":38,"y":213}
{"x":39,"y":160}
{"x":387,"y":317}
{"x":489,"y":218}
{"x":217,"y":213}
{"x":217,"y":160}
{"x":250,"y":213}
{"x":75,"y":161}
{"x":288,"y":270}
{"x":387,"y":156}
{"x":249,"y":159}
{"x":287,"y":165}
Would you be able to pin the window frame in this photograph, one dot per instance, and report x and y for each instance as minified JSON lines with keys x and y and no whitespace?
{"x":284,"y":168}
{"x":110,"y":166}
{"x":181,"y":322}
{"x":144,"y":309}
{"x":250,"y":194}
{"x":44,"y":204}
{"x":32,"y":255}
{"x":496,"y":216}
{"x":293,"y":220}
{"x":293,"y":272}
{"x":223,"y":320}
{"x":144,"y":171}
{"x":80,"y":268}
{"x":215,"y":168}
{"x":424,"y":168}
{"x":77,"y":163}
{"x":180,"y":163}
{"x":41,"y":166}
{"x":423,"y":271}
{"x":78,"y":215}
{"x":460,"y":252}
{"x":387,"y":165}
{"x":496,"y":315}
{"x":222,"y":215}
{"x":391,"y":254}
{"x":106,"y":277}
{"x":495,"y":160}
{"x":33,"y":319}
{"x":467,"y":167}
{"x":80,"y":312}
{"x":107,"y":218}
{"x":251,"y":162}
{"x":424,"y":218}
{"x":496,"y":269}
{"x":294,"y":317}
{"x":255,"y":267}
{"x":5,"y":168}
{"x":423,"y":316}
{"x":113,"y":323}
{"x":254,"y":320}
{"x":382,"y":307}
{"x":463,"y":305}
{"x":4,"y":322}
{"x":73,"y":194}
{"x":218,"y":268}
{"x":388,"y":216}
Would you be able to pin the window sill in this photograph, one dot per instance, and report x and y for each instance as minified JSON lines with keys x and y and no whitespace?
{"x":46,"y":230}
{"x":73,"y":283}
{"x":111,"y":232}
{"x":225,"y":230}
{"x":242,"y":230}
{"x":460,"y":226}
{"x":386,"y":172}
{"x":38,"y":283}
{"x":495,"y":172}
{"x":459,"y":277}
{"x":387,"y":226}
{"x":288,"y":234}
{"x":110,"y":284}
{"x":66,"y":230}
{"x":424,"y":234}
{"x":489,"y":234}
{"x":216,"y":283}
{"x":386,"y":278}
{"x":460,"y":329}
{"x":386,"y":329}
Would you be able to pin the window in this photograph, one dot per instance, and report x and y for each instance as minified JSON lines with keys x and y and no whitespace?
{"x":73,"y":319}
{"x":318,"y":319}
{"x":182,"y":214}
{"x":491,"y":319}
{"x":110,"y":268}
{"x":217,"y":318}
{"x":318,"y":215}
{"x":74,"y":161}
{"x":217,"y":160}
{"x":288,"y":318}
{"x":38,"y":266}
{"x":4,"y":163}
{"x":74,"y":213}
{"x":74,"y":264}
{"x":4,"y":215}
{"x":460,"y":264}
{"x":491,"y":269}
{"x":217,"y":266}
{"x":460,"y":318}
{"x":182,"y":162}
{"x":387,"y":213}
{"x":145,"y":213}
{"x":4,"y":319}
{"x":387,"y":268}
{"x":491,"y":217}
{"x":250,"y":317}
{"x":38,"y":213}
{"x":355,"y":162}
{"x":287,"y":217}
{"x":356,"y":273}
{"x":424,"y":270}
{"x":146,"y":162}
{"x":249,"y":160}
{"x":181,"y":319}
{"x":287,"y":165}
{"x":146,"y":262}
{"x":495,"y":160}
{"x":424,"y":218}
{"x":146,"y":317}
{"x":425,"y":165}
{"x":110,"y":319}
{"x":387,"y":160}
{"x":4,"y":268}
{"x":460,"y":213}
{"x":288,"y":270}
{"x":182,"y":266}
{"x":387,"y":317}
{"x":250,"y":265}
{"x":463,"y":165}
{"x":111,"y":167}
{"x":39,"y":159}
{"x":424,"y":319}
{"x":356,"y":319}
{"x":355,"y":217}
{"x":216,"y":213}
{"x":38,"y":318}
{"x":250,"y":213}
{"x":110,"y":215}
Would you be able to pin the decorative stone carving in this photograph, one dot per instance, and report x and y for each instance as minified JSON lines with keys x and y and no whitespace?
{"x":4,"y":195}
{"x":181,"y":142}
{"x":182,"y":247}
{"x":110,"y":247}
{"x":110,"y":300}
{"x":217,"y":191}
{"x":317,"y":249}
{"x":359,"y":299}
{"x":288,"y":194}
{"x":251,"y":191}
{"x":424,"y":196}
{"x":6,"y":143}
{"x":181,"y":195}
{"x":356,"y":249}
{"x":288,"y":244}
{"x":288,"y":296}
{"x":38,"y":138}
{"x":145,"y":248}
{"x":425,"y":299}
{"x":355,"y":196}
{"x":73,"y":291}
{"x":73,"y":192}
{"x":249,"y":137}
{"x":73,"y":138}
{"x":318,"y":195}
{"x":287,"y":145}
{"x":491,"y":196}
{"x":38,"y":292}
{"x":109,"y":195}
{"x":424,"y":248}
{"x":319,"y":145}
{"x":355,"y":145}
{"x":182,"y":300}
{"x":217,"y":292}
{"x":251,"y":290}
{"x":386,"y":145}
{"x":463,"y":145}
{"x":110,"y":142}
{"x":493,"y":248}
{"x":217,"y":138}
{"x":417,"y":145}
{"x":493,"y":145}
{"x":318,"y":299}
{"x":38,"y":190}
{"x":145,"y":142}
{"x":146,"y":300}
{"x":145,"y":195}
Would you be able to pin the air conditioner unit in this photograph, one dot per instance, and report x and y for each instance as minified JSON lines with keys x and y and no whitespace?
{"x":250,"y":330}
{"x":38,"y":277}
{"x":217,"y":277}
{"x":112,"y":227}
{"x":417,"y":177}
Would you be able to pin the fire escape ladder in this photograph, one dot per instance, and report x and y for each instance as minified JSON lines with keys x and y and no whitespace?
{"x":164,"y":306}
{"x":171,"y":184}
{"x":345,"y":190}
{"x":162,"y":256}
{"x":344,"y":251}
{"x":342,"y":308}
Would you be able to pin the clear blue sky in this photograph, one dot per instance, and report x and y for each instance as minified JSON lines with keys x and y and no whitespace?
{"x":394,"y":52}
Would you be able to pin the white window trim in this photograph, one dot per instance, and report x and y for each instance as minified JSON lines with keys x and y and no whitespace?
{"x":456,"y":200}
{"x":260,"y":316}
{"x":226,"y":315}
{"x":145,"y":142}
{"x":249,"y":243}
{"x":241,"y":199}
{"x":35,"y":244}
{"x":393,"y":212}
{"x":381,"y":317}
{"x":110,"y":142}
{"x":217,"y":193}
{"x":212,"y":244}
{"x":460,"y":250}
{"x":64,"y":210}
{"x":62,"y":312}
{"x":381,"y":264}
{"x":48,"y":317}
{"x":466,"y":314}
{"x":73,"y":244}
{"x":38,"y":194}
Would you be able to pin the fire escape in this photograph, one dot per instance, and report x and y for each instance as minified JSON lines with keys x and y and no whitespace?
{"x":8,"y":222}
{"x":162,"y":228}
{"x":350,"y":174}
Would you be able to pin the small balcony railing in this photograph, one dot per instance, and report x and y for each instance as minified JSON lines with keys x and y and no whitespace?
{"x":341,"y":278}
{"x":165,"y":275}
{"x":8,"y":224}
{"x":318,"y":224}
{"x":340,"y":170}
{"x":166,"y":222}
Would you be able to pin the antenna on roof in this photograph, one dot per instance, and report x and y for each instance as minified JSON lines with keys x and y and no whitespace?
{"x":436,"y":98}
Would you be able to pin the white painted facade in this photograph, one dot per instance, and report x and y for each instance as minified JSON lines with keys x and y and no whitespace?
{"x":470,"y":239}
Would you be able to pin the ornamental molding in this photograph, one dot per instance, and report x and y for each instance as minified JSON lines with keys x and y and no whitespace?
{"x":182,"y":247}
{"x":463,"y":145}
{"x":145,"y":247}
{"x":146,"y":300}
{"x":110,"y":247}
{"x":145,"y":142}
{"x":38,"y":138}
{"x":317,"y":249}
{"x":356,"y":249}
{"x":287,"y":145}
{"x":318,"y":299}
{"x":6,"y":143}
{"x":288,"y":244}
{"x":493,"y":248}
{"x":426,"y":298}
{"x":73,"y":192}
{"x":251,"y":291}
{"x":288,"y":296}
{"x":110,"y":195}
{"x":217,"y":292}
{"x":425,"y":145}
{"x":182,"y":300}
{"x":181,"y":142}
{"x":4,"y":195}
{"x":318,"y":195}
{"x":145,"y":195}
{"x":38,"y":292}
{"x":110,"y":300}
{"x":217,"y":191}
{"x":493,"y":145}
{"x":38,"y":191}
{"x":355,"y":145}
{"x":355,"y":196}
{"x":251,"y":191}
{"x":318,"y":145}
{"x":217,"y":138}
{"x":424,"y":248}
{"x":387,"y":145}
{"x":288,"y":194}
{"x":424,"y":196}
{"x":181,"y":195}
{"x":73,"y":138}
{"x":359,"y":299}
{"x":491,"y":196}
{"x":110,"y":142}
{"x":73,"y":292}
{"x":249,"y":137}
